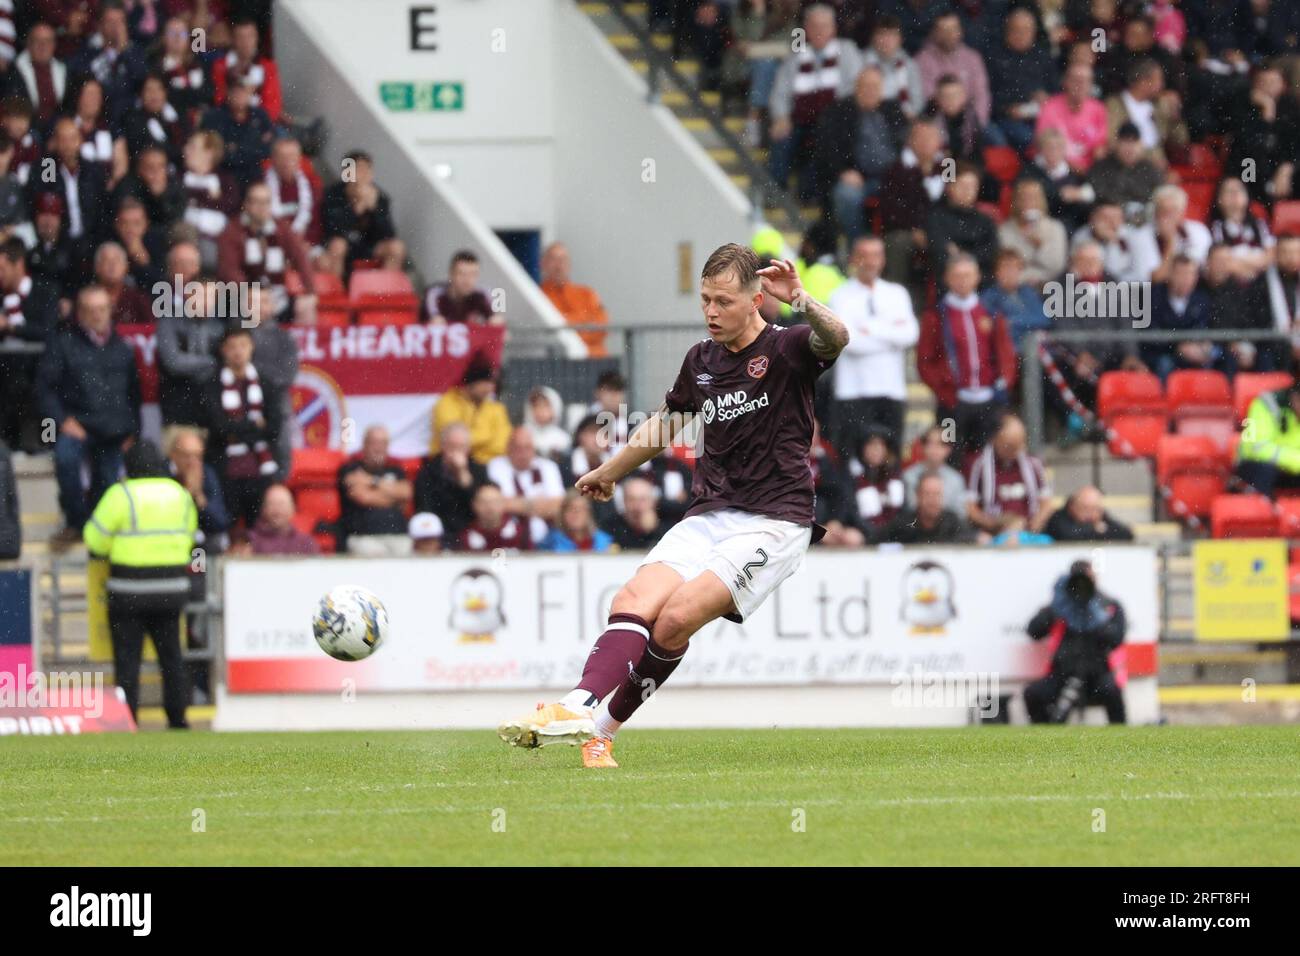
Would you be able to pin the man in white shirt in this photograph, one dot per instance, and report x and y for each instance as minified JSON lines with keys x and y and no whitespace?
{"x":870,"y":385}
{"x":1169,"y":234}
{"x":531,"y":484}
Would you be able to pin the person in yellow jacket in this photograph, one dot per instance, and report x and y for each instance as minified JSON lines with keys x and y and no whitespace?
{"x":1269,"y":455}
{"x":816,"y":266}
{"x":144,"y":527}
{"x":474,"y":405}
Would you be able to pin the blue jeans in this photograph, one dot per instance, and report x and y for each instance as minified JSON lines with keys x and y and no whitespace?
{"x":784,"y":153}
{"x":847,"y":202}
{"x":105,"y":466}
{"x":762,"y":77}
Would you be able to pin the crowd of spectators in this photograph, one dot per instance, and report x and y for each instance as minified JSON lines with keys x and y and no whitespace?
{"x":1031,"y":141}
{"x":967,"y":158}
{"x":148,"y":165}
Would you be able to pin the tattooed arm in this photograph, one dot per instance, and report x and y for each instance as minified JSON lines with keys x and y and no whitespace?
{"x":829,"y":334}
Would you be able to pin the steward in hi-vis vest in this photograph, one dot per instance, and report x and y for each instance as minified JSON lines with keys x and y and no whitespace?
{"x":144,"y":527}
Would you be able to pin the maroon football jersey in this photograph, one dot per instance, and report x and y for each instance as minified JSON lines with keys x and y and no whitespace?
{"x":756,"y":406}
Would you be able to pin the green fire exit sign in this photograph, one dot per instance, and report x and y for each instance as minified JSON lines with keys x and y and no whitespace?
{"x":423,"y":97}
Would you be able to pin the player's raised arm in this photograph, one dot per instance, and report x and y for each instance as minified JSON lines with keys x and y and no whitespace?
{"x":829,"y":334}
{"x":650,"y":438}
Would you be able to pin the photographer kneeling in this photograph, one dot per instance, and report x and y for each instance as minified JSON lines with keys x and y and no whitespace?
{"x":1090,"y":625}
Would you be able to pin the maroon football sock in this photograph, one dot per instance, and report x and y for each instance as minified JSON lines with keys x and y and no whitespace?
{"x":646,"y":677}
{"x":613,"y":655}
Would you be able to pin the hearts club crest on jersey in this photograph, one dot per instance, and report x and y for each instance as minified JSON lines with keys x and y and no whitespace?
{"x":757,"y":367}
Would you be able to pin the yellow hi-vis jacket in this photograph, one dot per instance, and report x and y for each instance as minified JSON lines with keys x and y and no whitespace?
{"x":1271,"y":433}
{"x":145,"y":528}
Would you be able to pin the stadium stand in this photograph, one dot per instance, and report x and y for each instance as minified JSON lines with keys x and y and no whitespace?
{"x":713,"y":95}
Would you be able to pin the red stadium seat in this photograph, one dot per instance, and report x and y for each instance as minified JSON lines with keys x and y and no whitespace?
{"x":992,"y":210}
{"x":314,"y":467}
{"x":1194,"y":470}
{"x":1288,"y":517}
{"x":383,"y":291}
{"x":1002,"y":163}
{"x":1243,"y":516}
{"x":1200,"y":200}
{"x":1200,"y":403}
{"x":386,"y":284}
{"x":1286,"y":217}
{"x":1133,"y":405}
{"x":322,"y":503}
{"x":306,"y":523}
{"x":327,"y":283}
{"x":1231,"y":451}
{"x":1246,"y":386}
{"x":1203,"y":164}
{"x":333,"y":316}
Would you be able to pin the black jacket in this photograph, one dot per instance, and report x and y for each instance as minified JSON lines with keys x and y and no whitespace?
{"x":40,"y":312}
{"x":187,"y":360}
{"x":904,"y":528}
{"x":163,"y":210}
{"x":247,"y":143}
{"x":837,"y":140}
{"x":969,"y":229}
{"x":1082,"y":652}
{"x":99,"y":387}
{"x":92,"y":197}
{"x":1061,"y":527}
{"x":1015,"y":77}
{"x":11,"y":529}
{"x":438,"y":492}
{"x":65,"y":265}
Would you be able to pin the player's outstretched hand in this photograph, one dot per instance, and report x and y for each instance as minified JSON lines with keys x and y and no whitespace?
{"x":781,"y":281}
{"x":595,"y":485}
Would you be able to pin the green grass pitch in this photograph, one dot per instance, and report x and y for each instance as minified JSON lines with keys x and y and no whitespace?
{"x":993,"y":795}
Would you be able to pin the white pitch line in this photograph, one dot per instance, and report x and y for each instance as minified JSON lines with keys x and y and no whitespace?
{"x":720,"y":805}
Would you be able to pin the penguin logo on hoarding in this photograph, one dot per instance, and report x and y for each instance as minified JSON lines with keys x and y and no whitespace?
{"x":476,"y":607}
{"x":927,"y":598}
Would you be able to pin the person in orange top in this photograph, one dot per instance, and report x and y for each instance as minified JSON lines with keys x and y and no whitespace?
{"x":579,"y":304}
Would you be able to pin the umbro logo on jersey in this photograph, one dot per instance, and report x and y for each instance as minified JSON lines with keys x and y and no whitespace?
{"x":704,"y":378}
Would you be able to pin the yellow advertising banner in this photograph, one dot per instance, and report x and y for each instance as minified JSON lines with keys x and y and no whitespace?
{"x":1241,"y":590}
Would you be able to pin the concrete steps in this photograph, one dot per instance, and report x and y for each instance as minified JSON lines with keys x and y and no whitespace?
{"x":694,"y":121}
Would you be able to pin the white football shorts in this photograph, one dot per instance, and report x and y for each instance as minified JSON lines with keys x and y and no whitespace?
{"x":751,"y":553}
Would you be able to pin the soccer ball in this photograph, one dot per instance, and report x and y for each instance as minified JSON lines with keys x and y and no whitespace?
{"x":350,"y":623}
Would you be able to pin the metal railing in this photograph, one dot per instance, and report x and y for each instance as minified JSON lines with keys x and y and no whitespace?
{"x":55,"y":649}
{"x":1031,"y":366}
{"x":762,"y":187}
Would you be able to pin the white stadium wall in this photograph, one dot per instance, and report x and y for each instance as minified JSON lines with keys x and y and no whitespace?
{"x":329,"y":48}
{"x":544,"y":126}
{"x":625,"y":232}
{"x":866,"y":638}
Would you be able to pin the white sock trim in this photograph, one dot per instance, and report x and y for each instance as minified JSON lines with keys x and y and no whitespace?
{"x":606,"y":726}
{"x":628,"y":626}
{"x":576,"y":700}
{"x":666,"y":660}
